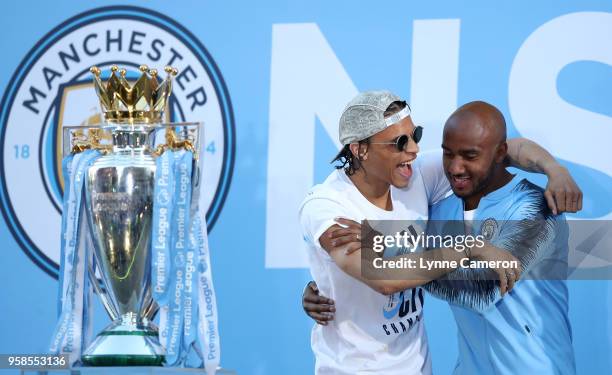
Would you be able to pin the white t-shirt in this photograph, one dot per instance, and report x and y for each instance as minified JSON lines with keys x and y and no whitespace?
{"x":371,"y":332}
{"x":468,"y":217}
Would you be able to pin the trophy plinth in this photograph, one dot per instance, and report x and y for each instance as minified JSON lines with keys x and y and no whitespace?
{"x":126,"y":343}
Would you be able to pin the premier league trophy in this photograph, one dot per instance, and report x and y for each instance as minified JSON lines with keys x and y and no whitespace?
{"x":119,"y":207}
{"x":137,"y":227}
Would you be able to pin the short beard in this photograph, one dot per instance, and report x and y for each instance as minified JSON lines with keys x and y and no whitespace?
{"x":486,"y":181}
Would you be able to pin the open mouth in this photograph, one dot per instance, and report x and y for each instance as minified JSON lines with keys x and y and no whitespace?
{"x":461,"y":182}
{"x":405,"y":169}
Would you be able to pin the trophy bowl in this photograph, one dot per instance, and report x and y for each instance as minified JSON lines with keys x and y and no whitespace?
{"x":118,"y":206}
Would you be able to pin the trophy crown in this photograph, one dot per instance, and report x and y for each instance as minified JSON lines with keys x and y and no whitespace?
{"x":143,"y":102}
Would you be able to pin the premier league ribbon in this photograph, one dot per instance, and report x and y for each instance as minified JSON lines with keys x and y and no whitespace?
{"x":71,"y":332}
{"x":208,"y":324}
{"x":161,"y":237}
{"x":88,"y":293}
{"x":67,"y":170}
{"x":179,"y":243}
{"x":191,"y":288}
{"x":182,"y":279}
{"x":162,"y":214}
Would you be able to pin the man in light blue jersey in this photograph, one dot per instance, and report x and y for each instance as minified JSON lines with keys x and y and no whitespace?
{"x":527,"y":331}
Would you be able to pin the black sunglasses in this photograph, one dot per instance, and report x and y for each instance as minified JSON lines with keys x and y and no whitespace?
{"x":402,"y":141}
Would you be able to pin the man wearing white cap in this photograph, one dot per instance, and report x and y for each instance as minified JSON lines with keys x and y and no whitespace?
{"x":378,"y":325}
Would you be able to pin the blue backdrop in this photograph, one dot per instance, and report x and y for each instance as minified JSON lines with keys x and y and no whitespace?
{"x":269,"y":79}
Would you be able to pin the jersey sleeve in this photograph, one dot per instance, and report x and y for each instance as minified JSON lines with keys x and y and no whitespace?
{"x":317,"y":215}
{"x":528,"y":233}
{"x":434,"y":178}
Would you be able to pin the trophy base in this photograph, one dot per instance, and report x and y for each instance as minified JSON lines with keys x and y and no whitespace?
{"x":125,"y":344}
{"x":122,"y":360}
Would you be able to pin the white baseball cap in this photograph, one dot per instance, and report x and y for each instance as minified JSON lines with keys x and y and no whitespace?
{"x":364,"y":116}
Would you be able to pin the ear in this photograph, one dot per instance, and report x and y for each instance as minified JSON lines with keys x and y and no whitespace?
{"x":501,"y":152}
{"x":359,"y":150}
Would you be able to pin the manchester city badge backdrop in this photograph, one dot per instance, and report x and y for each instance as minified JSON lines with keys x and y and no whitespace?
{"x":269,"y":80}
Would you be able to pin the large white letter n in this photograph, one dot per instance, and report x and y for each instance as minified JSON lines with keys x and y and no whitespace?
{"x":307,"y":81}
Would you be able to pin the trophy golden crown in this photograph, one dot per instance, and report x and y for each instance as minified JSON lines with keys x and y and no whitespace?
{"x":144,"y":102}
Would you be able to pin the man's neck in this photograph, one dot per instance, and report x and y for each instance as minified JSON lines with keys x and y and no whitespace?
{"x":499,"y":180}
{"x":376,"y":192}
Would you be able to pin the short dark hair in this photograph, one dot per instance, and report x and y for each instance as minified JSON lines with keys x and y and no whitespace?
{"x":395,"y":107}
{"x":347,"y":160}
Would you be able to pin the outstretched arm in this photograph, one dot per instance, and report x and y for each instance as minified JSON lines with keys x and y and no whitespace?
{"x":562,"y":193}
{"x":345,"y":246}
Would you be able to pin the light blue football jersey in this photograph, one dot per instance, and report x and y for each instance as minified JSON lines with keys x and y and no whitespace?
{"x":528,"y":330}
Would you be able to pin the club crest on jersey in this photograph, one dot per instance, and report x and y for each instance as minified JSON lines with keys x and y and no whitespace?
{"x":488,"y":228}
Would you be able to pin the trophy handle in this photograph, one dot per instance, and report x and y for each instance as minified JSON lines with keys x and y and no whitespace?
{"x":103,"y":295}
